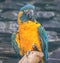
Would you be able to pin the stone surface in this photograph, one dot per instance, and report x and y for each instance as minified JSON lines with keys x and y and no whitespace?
{"x":1,"y":61}
{"x":55,"y":57}
{"x":56,"y":54}
{"x":10,"y":15}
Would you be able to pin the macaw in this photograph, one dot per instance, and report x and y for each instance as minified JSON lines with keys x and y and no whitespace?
{"x":30,"y":35}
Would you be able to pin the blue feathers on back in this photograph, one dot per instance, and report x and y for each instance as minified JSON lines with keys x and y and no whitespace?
{"x":14,"y":44}
{"x":44,"y":42}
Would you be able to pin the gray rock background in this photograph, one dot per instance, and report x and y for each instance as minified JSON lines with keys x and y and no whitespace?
{"x":48,"y":14}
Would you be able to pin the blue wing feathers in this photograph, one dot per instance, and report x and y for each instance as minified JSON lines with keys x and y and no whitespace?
{"x":14,"y":44}
{"x":44,"y":42}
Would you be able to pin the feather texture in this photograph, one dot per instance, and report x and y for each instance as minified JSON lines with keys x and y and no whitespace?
{"x":44,"y":42}
{"x":14,"y":44}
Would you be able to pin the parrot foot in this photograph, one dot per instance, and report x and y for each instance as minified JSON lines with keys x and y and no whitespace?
{"x":35,"y":47}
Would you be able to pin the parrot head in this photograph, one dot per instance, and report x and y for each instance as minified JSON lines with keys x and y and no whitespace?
{"x":28,"y":13}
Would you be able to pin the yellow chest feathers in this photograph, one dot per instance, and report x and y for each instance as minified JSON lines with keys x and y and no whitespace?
{"x":27,"y":36}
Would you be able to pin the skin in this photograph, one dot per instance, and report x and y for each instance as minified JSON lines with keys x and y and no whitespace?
{"x":33,"y":57}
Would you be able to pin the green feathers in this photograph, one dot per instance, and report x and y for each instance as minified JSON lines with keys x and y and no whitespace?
{"x":14,"y":44}
{"x":44,"y":42}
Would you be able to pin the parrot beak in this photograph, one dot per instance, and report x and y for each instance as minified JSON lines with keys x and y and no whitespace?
{"x":30,"y":13}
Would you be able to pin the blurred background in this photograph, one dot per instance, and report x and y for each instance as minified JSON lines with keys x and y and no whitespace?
{"x":48,"y":15}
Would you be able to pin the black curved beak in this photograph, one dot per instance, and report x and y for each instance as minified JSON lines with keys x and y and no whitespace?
{"x":31,"y":14}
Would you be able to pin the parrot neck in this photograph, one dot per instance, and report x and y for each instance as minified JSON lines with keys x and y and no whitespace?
{"x":23,"y":18}
{"x":18,"y":18}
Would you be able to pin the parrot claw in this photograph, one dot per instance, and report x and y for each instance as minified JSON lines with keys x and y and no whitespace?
{"x":35,"y":47}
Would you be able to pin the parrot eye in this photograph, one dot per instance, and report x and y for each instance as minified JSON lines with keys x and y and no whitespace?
{"x":29,"y":12}
{"x":25,"y":11}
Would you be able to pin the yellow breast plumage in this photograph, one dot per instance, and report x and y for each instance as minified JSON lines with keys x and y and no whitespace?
{"x":27,"y":36}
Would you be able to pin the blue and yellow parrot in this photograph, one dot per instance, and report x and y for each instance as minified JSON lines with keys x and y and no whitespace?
{"x":30,"y":34}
